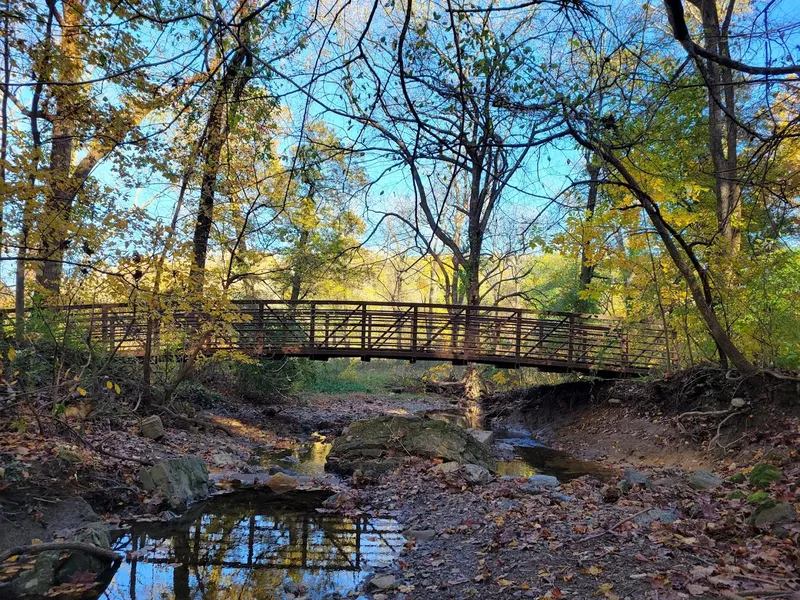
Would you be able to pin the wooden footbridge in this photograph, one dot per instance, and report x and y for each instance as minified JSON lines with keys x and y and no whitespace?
{"x":321,"y":329}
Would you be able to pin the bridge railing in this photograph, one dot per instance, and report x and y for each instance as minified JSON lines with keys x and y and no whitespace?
{"x":411,"y":331}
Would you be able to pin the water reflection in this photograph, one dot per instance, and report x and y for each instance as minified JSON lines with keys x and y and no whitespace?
{"x":546,"y":461}
{"x":305,"y":459}
{"x":469,"y":418}
{"x":247,"y":546}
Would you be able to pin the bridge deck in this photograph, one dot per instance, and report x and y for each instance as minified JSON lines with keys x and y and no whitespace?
{"x":507,"y":337}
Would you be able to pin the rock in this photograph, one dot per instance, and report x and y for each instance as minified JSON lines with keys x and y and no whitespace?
{"x":280,"y":483}
{"x":375,"y":446}
{"x":536,"y":484}
{"x":561,"y":497}
{"x":80,"y":562}
{"x":632,"y":478}
{"x":290,"y":459}
{"x":505,"y":447}
{"x":423,"y":535}
{"x":662,"y":515}
{"x":476,"y":475}
{"x":704,"y":480}
{"x":543,"y":481}
{"x":482,"y":435}
{"x":738,"y":403}
{"x":50,"y":569}
{"x":448,"y":467}
{"x":152,"y":427}
{"x":383,"y":582}
{"x":276,"y":469}
{"x":614,"y":401}
{"x":341,"y":500}
{"x":779,"y":514}
{"x":180,"y":480}
{"x":223,"y":458}
{"x":763,"y":475}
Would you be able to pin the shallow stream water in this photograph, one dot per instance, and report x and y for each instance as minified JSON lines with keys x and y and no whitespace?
{"x":252,"y":545}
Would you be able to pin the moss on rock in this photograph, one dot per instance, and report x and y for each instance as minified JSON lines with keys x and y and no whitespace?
{"x":763,"y":475}
{"x":374,"y":446}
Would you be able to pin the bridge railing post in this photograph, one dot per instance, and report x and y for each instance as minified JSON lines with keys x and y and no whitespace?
{"x":312,"y":317}
{"x":260,"y":334}
{"x":571,"y":338}
{"x":414,"y":329}
{"x":364,"y":326}
{"x":518,"y":351}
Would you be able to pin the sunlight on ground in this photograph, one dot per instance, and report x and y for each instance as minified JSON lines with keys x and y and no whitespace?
{"x":243,"y":429}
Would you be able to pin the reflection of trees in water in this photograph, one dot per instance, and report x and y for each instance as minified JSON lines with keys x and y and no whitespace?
{"x":249,"y":553}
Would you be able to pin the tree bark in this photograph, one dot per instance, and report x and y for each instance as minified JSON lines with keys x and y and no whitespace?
{"x":228,"y":94}
{"x":587,"y":268}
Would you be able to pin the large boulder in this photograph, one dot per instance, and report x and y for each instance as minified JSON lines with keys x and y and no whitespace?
{"x":374,"y":446}
{"x":180,"y":480}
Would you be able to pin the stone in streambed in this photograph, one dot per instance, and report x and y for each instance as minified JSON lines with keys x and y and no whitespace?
{"x":280,"y":483}
{"x":632,"y":478}
{"x":152,"y":427}
{"x":448,"y":467}
{"x":778,"y":514}
{"x":476,"y":475}
{"x":536,"y":484}
{"x":383,"y":582}
{"x":423,"y":535}
{"x":375,"y":446}
{"x":180,"y":480}
{"x":482,"y":435}
{"x":704,"y":480}
{"x":662,"y":515}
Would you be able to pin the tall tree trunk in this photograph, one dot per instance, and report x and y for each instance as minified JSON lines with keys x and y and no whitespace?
{"x":587,"y":267}
{"x":722,"y":128}
{"x":227,"y":97}
{"x":61,"y":188}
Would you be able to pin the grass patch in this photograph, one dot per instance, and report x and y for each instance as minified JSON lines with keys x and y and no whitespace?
{"x":347,"y":376}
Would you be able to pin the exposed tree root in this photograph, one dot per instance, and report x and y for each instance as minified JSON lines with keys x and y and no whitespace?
{"x":58,"y":547}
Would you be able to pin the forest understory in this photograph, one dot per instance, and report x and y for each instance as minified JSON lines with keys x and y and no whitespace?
{"x":647,"y":527}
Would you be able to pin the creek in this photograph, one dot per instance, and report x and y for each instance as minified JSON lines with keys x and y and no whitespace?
{"x":253,"y":545}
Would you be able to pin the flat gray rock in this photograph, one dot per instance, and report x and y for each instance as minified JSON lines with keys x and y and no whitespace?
{"x":777,"y":515}
{"x":704,"y":480}
{"x":662,"y":515}
{"x":420,"y":534}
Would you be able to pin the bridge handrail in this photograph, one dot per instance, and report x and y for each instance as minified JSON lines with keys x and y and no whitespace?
{"x":377,"y":303}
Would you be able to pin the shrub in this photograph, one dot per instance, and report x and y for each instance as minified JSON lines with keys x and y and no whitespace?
{"x":196,"y":394}
{"x":266,"y":381}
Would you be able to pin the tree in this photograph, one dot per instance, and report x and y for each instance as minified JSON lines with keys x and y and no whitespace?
{"x":317,"y":231}
{"x":445,"y":90}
